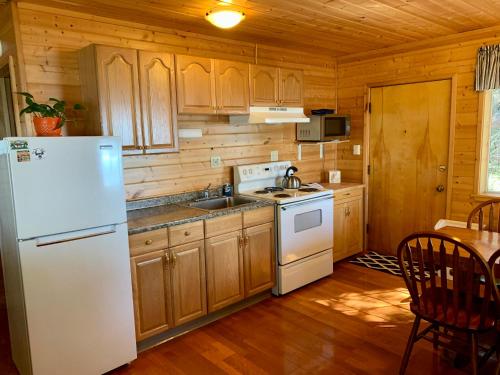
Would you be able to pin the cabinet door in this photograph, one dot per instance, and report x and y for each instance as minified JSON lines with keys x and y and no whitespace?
{"x":231,"y":83}
{"x":339,"y":213}
{"x":118,"y":80}
{"x":225,"y":275}
{"x":151,"y":289}
{"x":264,"y":85}
{"x":157,"y":83}
{"x":195,"y":85}
{"x":259,"y":258}
{"x":188,"y":282}
{"x":354,"y":226}
{"x":291,"y":88}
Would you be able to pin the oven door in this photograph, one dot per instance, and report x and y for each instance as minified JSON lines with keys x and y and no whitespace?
{"x":304,"y":228}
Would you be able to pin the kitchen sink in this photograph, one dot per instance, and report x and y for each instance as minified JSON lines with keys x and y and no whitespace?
{"x":213,"y":204}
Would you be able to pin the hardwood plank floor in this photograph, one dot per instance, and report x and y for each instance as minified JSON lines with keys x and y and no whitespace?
{"x":355,"y":322}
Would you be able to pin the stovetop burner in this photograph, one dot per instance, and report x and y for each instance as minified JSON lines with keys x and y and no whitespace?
{"x":308,"y":190}
{"x":272,"y":189}
{"x":261,"y":192}
{"x":282,"y":195}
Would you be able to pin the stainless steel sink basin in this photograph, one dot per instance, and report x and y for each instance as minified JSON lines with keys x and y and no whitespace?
{"x":220,"y":203}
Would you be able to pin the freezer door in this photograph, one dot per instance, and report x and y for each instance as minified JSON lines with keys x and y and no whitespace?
{"x":63,"y":184}
{"x":78,"y":297}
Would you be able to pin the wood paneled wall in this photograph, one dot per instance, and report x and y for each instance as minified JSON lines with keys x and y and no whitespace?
{"x":50,"y":41}
{"x":456,"y":60}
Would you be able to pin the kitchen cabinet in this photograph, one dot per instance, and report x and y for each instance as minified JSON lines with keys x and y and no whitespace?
{"x":259,"y":258}
{"x":348,"y":223}
{"x":271,"y":86}
{"x":151,"y":290}
{"x":225,"y":273}
{"x":231,"y":84}
{"x":130,"y":93}
{"x":195,"y":85}
{"x":211,"y":86}
{"x":264,"y":86}
{"x":188,"y":282}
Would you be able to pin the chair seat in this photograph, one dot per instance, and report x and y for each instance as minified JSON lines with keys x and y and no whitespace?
{"x":462,"y":322}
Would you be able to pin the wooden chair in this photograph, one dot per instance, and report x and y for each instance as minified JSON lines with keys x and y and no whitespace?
{"x":443,"y":277}
{"x":487,"y":216}
{"x":495,"y":266}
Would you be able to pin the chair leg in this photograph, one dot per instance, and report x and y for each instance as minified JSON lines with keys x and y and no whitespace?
{"x":474,"y":353}
{"x":409,"y":345}
{"x":435,"y":338}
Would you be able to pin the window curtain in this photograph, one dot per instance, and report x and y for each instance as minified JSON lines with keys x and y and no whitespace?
{"x":488,"y":68}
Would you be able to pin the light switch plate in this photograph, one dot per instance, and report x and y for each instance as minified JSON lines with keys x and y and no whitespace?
{"x":356,"y":150}
{"x":215,"y":161}
{"x":274,"y":155}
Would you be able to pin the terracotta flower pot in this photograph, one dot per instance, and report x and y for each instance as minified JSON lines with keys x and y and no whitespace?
{"x":47,"y":126}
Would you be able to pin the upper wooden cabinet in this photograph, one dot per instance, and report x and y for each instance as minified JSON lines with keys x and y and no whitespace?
{"x":115,"y":82}
{"x":271,"y":86}
{"x":195,"y":85}
{"x":264,"y":86}
{"x":231,"y":83}
{"x":211,"y":86}
{"x":291,"y":88}
{"x":158,"y":100}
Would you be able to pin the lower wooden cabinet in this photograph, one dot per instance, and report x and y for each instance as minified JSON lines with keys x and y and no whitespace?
{"x":225,"y":273}
{"x":152,"y":294}
{"x":188,"y":282}
{"x":348,"y":225}
{"x":169,"y":288}
{"x":259,"y":258}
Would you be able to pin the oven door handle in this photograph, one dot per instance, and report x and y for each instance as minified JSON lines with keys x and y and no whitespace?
{"x":291,"y":205}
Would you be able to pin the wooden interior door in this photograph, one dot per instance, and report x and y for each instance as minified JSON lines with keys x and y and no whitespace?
{"x":231,"y":83}
{"x":195,"y":85}
{"x":264,"y":85}
{"x":118,"y":77}
{"x":409,"y":142}
{"x":225,"y":273}
{"x":158,"y":99}
{"x":188,"y":282}
{"x":291,"y":88}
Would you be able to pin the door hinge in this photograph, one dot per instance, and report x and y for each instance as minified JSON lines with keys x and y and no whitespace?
{"x":368,"y":169}
{"x":367,"y":228}
{"x":370,"y":107}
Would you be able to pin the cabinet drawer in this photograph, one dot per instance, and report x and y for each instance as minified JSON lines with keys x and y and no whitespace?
{"x":222,"y":224}
{"x":185,"y":233}
{"x":258,"y":216}
{"x":345,"y":194}
{"x":146,"y":242}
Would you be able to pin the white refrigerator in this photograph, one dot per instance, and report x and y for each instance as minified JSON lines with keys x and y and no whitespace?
{"x":65,"y":255}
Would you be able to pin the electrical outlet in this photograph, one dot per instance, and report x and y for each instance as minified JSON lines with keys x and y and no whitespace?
{"x":274,"y":155}
{"x":215,"y":161}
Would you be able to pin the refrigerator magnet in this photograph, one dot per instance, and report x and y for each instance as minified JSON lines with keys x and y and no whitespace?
{"x":23,"y":156}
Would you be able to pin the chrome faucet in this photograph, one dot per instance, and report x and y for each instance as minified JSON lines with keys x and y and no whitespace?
{"x":206,"y":192}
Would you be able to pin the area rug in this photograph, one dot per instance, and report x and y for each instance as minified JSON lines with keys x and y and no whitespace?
{"x":379,"y":262}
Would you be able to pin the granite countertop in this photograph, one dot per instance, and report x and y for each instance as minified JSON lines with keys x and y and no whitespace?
{"x":341,"y":186}
{"x":169,"y":214}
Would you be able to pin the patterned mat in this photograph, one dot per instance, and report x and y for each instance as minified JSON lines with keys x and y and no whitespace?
{"x":380,"y":262}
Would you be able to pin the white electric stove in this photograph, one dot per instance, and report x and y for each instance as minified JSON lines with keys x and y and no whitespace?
{"x":304,"y":223}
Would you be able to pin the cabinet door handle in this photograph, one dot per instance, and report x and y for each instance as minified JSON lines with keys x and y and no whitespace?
{"x":148,"y":242}
{"x":246,"y":241}
{"x":187,"y":233}
{"x":241,"y":241}
{"x":174,"y":259}
{"x":167,"y":260}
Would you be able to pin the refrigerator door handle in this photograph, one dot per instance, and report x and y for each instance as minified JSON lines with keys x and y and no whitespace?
{"x":75,"y":236}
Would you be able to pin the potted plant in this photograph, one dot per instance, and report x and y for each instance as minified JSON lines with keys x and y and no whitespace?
{"x":48,"y":119}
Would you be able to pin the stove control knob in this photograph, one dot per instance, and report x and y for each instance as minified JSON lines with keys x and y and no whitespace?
{"x":244,"y":172}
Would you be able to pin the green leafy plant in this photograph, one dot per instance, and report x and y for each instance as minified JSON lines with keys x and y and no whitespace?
{"x":46,"y":110}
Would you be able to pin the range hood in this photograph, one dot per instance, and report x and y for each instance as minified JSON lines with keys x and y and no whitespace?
{"x":271,"y":115}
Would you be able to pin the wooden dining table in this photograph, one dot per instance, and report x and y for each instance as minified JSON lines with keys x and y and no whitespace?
{"x":486,"y":243}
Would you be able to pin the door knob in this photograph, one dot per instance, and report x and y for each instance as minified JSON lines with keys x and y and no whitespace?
{"x":440,"y":188}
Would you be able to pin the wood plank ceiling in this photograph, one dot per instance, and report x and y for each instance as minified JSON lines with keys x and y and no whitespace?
{"x":328,"y":27}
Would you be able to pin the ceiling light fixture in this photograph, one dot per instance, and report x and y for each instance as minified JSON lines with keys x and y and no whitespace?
{"x":224,"y":18}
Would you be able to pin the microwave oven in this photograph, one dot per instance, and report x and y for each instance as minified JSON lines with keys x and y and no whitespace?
{"x":324,"y":128}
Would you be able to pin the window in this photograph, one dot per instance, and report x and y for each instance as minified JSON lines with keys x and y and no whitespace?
{"x":490,"y":145}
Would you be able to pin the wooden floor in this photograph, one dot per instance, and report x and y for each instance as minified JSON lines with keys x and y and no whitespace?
{"x":354,"y":322}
